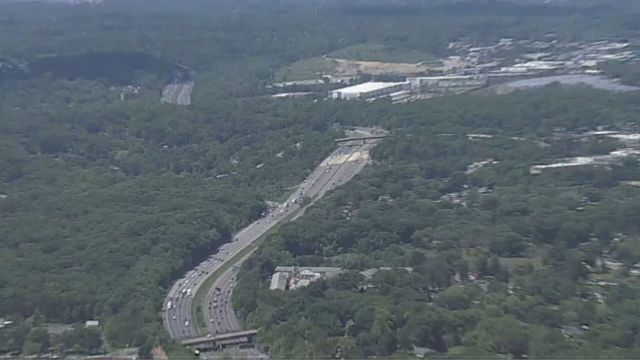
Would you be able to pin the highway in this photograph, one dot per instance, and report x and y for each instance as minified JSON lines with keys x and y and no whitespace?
{"x":339,"y":167}
{"x":177,"y":93}
{"x":219,"y":311}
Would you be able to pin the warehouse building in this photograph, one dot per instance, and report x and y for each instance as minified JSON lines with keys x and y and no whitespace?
{"x":369,"y":90}
{"x":294,"y":277}
{"x":447,"y":83}
{"x":279,"y":281}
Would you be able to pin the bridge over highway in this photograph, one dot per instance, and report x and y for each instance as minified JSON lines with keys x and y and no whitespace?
{"x":364,"y":139}
{"x":221,"y":341}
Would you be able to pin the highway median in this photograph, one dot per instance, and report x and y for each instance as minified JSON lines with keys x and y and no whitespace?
{"x":197,"y":313}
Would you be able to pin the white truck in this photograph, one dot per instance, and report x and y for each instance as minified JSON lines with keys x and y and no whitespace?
{"x":188,"y":292}
{"x":169,"y":305}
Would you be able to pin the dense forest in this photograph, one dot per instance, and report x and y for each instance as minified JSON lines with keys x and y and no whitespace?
{"x":102,"y":207}
{"x":532,"y":244}
{"x":105,"y":199}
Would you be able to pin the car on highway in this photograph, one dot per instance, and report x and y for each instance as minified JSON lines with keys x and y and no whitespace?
{"x":186,"y":323}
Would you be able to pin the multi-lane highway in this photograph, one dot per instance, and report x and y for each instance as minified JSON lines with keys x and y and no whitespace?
{"x":219,"y":311}
{"x":344,"y":163}
{"x":177,"y":93}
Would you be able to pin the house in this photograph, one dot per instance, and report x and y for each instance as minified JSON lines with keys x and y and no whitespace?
{"x":422,"y":352}
{"x":5,"y":323}
{"x":91,"y":323}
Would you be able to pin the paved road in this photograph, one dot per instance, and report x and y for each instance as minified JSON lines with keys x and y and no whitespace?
{"x":338,"y":168}
{"x":177,"y":93}
{"x":219,"y":310}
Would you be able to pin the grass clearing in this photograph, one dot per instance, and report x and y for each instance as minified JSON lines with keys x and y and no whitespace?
{"x":177,"y":351}
{"x":306,"y":69}
{"x":382,"y":53}
{"x":370,"y":58}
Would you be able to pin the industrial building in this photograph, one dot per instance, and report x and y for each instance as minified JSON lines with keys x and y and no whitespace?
{"x":447,"y":83}
{"x":369,"y":90}
{"x":293,"y":277}
{"x":279,"y":281}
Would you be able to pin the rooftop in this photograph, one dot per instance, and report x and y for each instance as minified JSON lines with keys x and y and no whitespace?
{"x":279,"y":281}
{"x":316,"y":269}
{"x":367,"y":87}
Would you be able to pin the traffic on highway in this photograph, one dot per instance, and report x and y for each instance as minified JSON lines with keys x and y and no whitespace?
{"x":339,"y":167}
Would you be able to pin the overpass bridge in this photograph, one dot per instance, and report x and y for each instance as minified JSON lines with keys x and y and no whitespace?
{"x":221,"y":341}
{"x":357,"y":139}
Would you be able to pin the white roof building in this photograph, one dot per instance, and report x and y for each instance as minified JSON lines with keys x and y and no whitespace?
{"x":307,"y":272}
{"x":91,"y":323}
{"x":368,"y":90}
{"x":279,"y":281}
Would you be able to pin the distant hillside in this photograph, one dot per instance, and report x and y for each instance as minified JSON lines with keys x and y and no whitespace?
{"x":116,"y":67}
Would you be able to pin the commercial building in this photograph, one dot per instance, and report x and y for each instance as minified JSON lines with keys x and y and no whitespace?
{"x":91,"y":323}
{"x":293,"y":277}
{"x":447,"y":83}
{"x":369,"y":90}
{"x":310,"y":82}
{"x":279,"y":281}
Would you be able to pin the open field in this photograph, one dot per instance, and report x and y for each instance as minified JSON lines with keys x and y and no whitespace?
{"x":372,"y":59}
{"x":316,"y":67}
{"x":306,"y":69}
{"x":381,"y":53}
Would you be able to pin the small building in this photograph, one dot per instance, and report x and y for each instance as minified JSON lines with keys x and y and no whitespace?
{"x":91,"y":323}
{"x":422,"y":352}
{"x":369,"y":90}
{"x":298,"y":283}
{"x":339,"y":79}
{"x":571,"y":331}
{"x":286,"y":95}
{"x":324,"y":271}
{"x":309,"y":82}
{"x":308,"y":274}
{"x":479,"y":136}
{"x":293,"y":277}
{"x":279,"y":281}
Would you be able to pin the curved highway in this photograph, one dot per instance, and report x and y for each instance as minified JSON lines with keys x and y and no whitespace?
{"x":342,"y":165}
